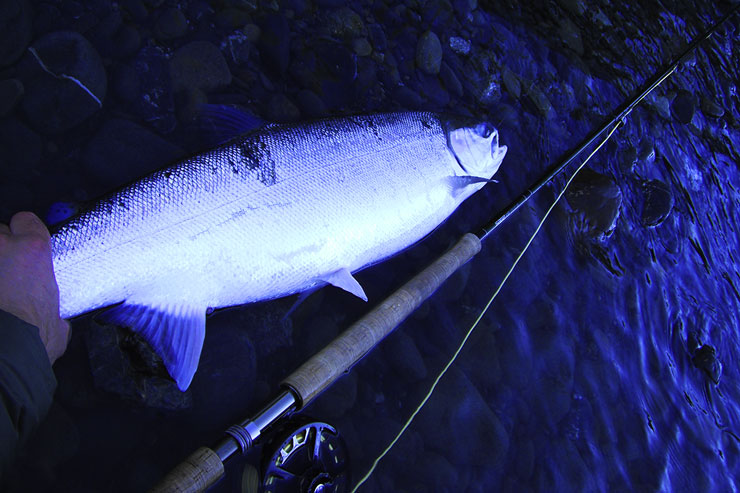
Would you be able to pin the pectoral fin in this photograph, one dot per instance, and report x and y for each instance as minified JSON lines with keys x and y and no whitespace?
{"x":464,"y":181}
{"x":343,"y":279}
{"x":175,"y":332}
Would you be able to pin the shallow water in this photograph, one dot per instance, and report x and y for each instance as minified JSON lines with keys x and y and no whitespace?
{"x":579,"y":378}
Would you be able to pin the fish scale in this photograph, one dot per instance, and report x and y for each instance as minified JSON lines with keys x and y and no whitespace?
{"x":276,"y":211}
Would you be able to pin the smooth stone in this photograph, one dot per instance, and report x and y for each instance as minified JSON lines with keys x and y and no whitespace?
{"x":464,"y":7}
{"x":706,"y":360}
{"x":450,"y":80}
{"x":431,"y":471}
{"x":407,"y":98}
{"x":628,"y":159}
{"x":154,"y":101}
{"x":540,"y":101}
{"x":575,"y":7}
{"x":135,"y":8}
{"x":281,"y":109}
{"x":662,"y":106}
{"x":171,"y":24}
{"x":122,"y":151}
{"x":646,"y":152}
{"x":404,"y":358}
{"x":21,"y":149}
{"x":571,"y":36}
{"x":338,"y":399}
{"x":658,"y":202}
{"x":458,"y":423}
{"x":429,"y":53}
{"x":227,"y":371}
{"x":433,"y":90}
{"x":126,"y":42}
{"x":16,"y":197}
{"x":123,"y":363}
{"x":310,"y":104}
{"x":345,"y":23}
{"x":710,"y":108}
{"x":15,"y":24}
{"x":362,"y":47}
{"x":11,"y":91}
{"x":340,"y":63}
{"x":377,"y":37}
{"x":274,"y":42}
{"x":683,"y":107}
{"x":231,"y":18}
{"x":199,"y":65}
{"x":595,"y":200}
{"x":511,"y":83}
{"x":70,"y":88}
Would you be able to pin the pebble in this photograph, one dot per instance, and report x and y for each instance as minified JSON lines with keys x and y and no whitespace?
{"x":460,"y":45}
{"x":683,"y":107}
{"x":11,"y":91}
{"x":571,"y":36}
{"x":171,"y":24}
{"x":122,"y":151}
{"x":464,"y":429}
{"x":511,"y":83}
{"x":199,"y":65}
{"x":15,"y":23}
{"x":362,"y":47}
{"x":706,"y":360}
{"x":710,"y":108}
{"x":595,"y":200}
{"x":345,"y":23}
{"x":310,"y":104}
{"x":377,"y":37}
{"x":404,"y":358}
{"x":53,"y":103}
{"x":658,"y":202}
{"x":21,"y":150}
{"x":540,"y":101}
{"x":433,"y":90}
{"x":122,"y":363}
{"x":407,"y":98}
{"x":274,"y":43}
{"x":429,"y":53}
{"x":450,"y":80}
{"x":281,"y":109}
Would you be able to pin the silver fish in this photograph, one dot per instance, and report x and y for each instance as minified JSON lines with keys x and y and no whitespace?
{"x":279,"y":210}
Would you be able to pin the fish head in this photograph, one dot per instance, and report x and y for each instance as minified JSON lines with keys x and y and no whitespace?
{"x":475,"y":146}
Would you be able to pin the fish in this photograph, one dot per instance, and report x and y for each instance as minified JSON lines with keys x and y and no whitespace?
{"x":278,"y":210}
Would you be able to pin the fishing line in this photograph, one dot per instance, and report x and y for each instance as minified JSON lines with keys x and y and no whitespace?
{"x":485,"y":309}
{"x":616,"y":122}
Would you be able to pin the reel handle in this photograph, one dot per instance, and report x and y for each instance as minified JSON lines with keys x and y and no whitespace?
{"x":195,"y":474}
{"x":348,"y":348}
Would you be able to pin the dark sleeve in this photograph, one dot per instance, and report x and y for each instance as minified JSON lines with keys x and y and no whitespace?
{"x":27,"y":385}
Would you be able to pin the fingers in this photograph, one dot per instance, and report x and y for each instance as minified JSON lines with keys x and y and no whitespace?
{"x":28,"y":223}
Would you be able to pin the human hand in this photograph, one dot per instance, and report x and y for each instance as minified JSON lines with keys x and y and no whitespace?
{"x":28,"y":288}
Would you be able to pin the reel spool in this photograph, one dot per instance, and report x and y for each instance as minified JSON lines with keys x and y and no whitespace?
{"x":309,"y":457}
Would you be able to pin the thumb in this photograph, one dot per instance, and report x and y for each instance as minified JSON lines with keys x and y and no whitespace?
{"x":28,"y":223}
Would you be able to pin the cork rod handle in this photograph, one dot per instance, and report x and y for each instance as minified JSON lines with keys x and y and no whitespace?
{"x":195,"y":474}
{"x":343,"y":352}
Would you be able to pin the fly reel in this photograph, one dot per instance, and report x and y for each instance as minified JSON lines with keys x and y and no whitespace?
{"x":309,"y":457}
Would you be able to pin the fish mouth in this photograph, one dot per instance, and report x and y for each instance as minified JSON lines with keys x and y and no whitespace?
{"x":474,"y":144}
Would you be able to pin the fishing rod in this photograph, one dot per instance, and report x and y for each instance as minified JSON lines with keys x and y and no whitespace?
{"x":206,"y":465}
